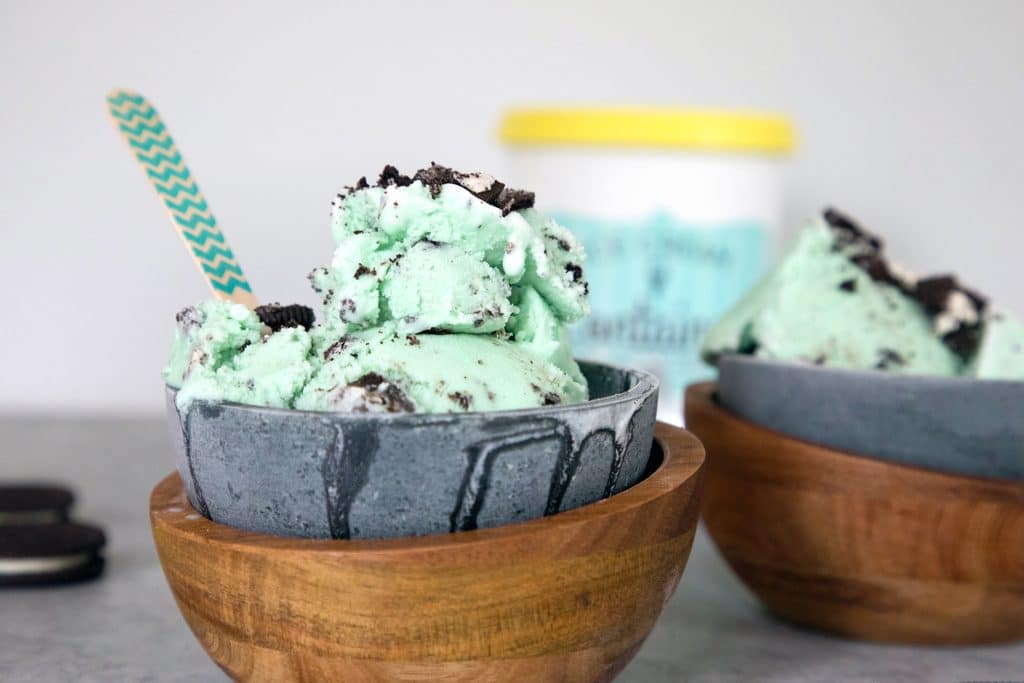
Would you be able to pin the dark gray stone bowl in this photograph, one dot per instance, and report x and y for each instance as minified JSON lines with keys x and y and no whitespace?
{"x":953,"y":424}
{"x":347,"y":475}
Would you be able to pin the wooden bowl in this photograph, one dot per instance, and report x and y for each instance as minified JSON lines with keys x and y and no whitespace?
{"x":569,"y":597}
{"x":858,"y":546}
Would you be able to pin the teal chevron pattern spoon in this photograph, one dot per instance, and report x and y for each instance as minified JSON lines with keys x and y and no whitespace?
{"x":148,"y":139}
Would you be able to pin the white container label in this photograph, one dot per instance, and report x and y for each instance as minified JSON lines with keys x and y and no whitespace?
{"x":656,"y":286}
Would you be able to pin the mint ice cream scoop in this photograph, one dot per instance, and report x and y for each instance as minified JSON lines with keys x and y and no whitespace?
{"x":835,"y":300}
{"x":446,"y":292}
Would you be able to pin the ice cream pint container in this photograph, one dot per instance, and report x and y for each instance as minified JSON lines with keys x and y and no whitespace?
{"x":678,"y":210}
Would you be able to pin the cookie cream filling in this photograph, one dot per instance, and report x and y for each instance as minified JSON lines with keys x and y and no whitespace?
{"x":41,"y":565}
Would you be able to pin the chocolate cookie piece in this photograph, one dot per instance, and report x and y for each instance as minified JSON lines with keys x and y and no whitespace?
{"x":957,"y":312}
{"x":42,"y":554}
{"x":864,"y":250}
{"x":276,"y":317}
{"x":513,"y":200}
{"x":484,"y":187}
{"x":188,"y":319}
{"x":390,"y":176}
{"x":371,"y":393}
{"x":22,"y":505}
{"x":849,"y":231}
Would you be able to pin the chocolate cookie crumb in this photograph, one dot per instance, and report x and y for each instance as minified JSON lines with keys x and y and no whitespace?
{"x":462,"y":399}
{"x":336,"y":348}
{"x":484,"y":187}
{"x":933,"y":292}
{"x":964,"y":340}
{"x":887,"y":358}
{"x":848,"y":285}
{"x":513,"y":200}
{"x":345,"y":307}
{"x":434,"y":177}
{"x":363,"y":270}
{"x":412,"y":339}
{"x":276,"y":316}
{"x":852,"y":231}
{"x":390,"y":176}
{"x":575,"y":271}
{"x":384,"y":393}
{"x":956,"y":312}
{"x":188,"y":319}
{"x":552,"y":399}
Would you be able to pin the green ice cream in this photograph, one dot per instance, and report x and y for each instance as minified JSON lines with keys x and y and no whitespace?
{"x":835,"y":300}
{"x":1001,"y":351}
{"x":447,"y":292}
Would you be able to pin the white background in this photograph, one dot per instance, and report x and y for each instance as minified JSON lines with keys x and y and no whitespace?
{"x":909,"y":115}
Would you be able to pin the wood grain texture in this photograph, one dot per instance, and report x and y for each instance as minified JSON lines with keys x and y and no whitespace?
{"x":563,"y":598}
{"x":858,"y":546}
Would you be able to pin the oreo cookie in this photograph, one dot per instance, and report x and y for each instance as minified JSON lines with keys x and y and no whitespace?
{"x":34,"y":504}
{"x":276,"y":316}
{"x":44,"y":554}
{"x":482,"y":186}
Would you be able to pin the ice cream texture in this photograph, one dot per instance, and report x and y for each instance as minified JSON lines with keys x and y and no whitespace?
{"x":447,"y":292}
{"x":834,"y":299}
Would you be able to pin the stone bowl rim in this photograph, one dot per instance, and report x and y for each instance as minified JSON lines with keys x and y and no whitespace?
{"x":875,"y":375}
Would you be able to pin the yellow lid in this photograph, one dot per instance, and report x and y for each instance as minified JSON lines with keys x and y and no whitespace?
{"x":649,"y":127}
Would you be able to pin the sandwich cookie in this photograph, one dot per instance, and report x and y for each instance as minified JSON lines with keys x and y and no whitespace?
{"x":42,"y":554}
{"x":35,"y":504}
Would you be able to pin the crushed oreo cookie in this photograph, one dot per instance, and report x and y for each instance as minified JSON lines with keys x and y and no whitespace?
{"x":275,"y":316}
{"x":848,"y":285}
{"x":486,"y":188}
{"x":189,"y":318}
{"x":390,"y":176}
{"x":380,"y":393}
{"x":956,"y":311}
{"x":462,"y":399}
{"x":482,"y":186}
{"x":552,"y":399}
{"x":346,"y":307}
{"x":335,"y":349}
{"x":935,"y":293}
{"x":849,"y":231}
{"x":863,"y":249}
{"x":887,"y":358}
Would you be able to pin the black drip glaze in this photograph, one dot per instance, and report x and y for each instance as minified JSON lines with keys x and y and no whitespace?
{"x":186,"y":425}
{"x":480,"y":458}
{"x":346,"y":469}
{"x":565,"y":468}
{"x":620,"y":453}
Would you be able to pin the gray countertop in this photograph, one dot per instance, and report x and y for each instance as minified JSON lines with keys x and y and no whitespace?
{"x":126,"y":627}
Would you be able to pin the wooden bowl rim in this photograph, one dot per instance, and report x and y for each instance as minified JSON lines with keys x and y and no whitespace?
{"x":704,"y":392}
{"x":682,"y":459}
